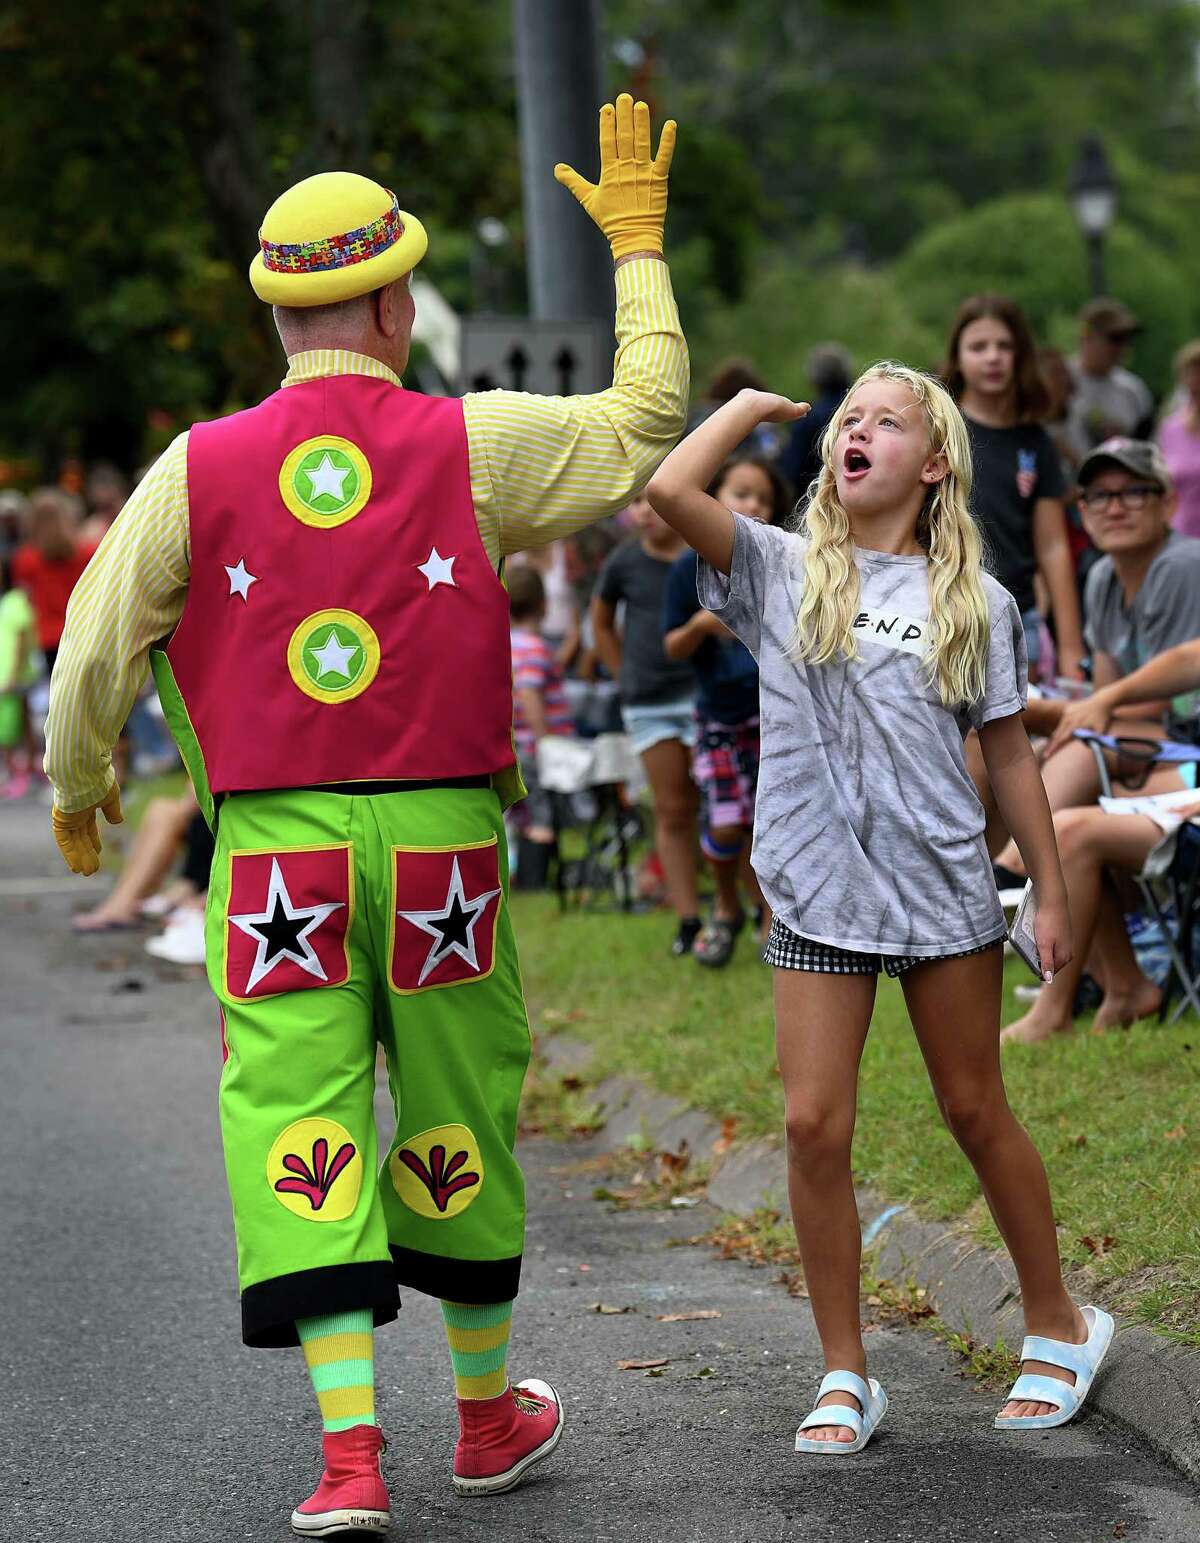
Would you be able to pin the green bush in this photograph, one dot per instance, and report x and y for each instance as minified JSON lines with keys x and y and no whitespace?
{"x":1029,"y":246}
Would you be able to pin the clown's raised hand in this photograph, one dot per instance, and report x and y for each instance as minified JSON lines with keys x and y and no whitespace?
{"x":629,"y":203}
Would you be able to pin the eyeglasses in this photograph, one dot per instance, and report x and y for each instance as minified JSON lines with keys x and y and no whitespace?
{"x":1131,"y":499}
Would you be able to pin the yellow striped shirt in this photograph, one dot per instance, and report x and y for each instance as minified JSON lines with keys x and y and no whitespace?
{"x":541,"y":467}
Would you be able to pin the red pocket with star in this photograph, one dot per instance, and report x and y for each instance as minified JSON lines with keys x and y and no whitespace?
{"x":445,"y":908}
{"x":287,"y":920}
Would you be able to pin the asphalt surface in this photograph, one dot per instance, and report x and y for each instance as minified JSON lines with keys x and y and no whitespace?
{"x":131,"y":1411}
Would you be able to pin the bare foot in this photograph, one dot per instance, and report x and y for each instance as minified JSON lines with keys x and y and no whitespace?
{"x":1120,"y":1009}
{"x":1037,"y":1024}
{"x":1017,"y":1409}
{"x":102,"y":919}
{"x":834,"y":1432}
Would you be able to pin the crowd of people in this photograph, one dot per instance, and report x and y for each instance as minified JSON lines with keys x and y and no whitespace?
{"x":1086,"y":494}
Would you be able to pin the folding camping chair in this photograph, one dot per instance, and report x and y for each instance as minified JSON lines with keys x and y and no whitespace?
{"x":587,"y":778}
{"x":1173,"y":890}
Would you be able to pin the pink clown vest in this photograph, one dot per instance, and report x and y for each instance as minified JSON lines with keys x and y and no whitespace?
{"x":343,"y":622}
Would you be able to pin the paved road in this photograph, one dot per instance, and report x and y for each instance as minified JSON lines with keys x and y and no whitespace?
{"x":133,"y":1413}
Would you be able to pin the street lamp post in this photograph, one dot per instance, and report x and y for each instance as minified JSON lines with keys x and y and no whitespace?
{"x":1093,"y":191}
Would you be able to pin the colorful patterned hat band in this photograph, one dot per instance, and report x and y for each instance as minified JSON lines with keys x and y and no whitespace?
{"x":335,"y":251}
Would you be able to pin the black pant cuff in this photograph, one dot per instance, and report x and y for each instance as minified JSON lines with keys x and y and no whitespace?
{"x":481,"y":1281}
{"x":270,"y":1307}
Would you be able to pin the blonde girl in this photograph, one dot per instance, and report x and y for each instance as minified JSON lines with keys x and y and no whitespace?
{"x":881,"y":642}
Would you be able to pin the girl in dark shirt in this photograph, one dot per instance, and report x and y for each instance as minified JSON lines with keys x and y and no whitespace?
{"x":991,"y":371}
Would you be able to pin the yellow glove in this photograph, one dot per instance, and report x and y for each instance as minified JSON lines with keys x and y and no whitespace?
{"x":629,"y":203}
{"x":77,"y":836}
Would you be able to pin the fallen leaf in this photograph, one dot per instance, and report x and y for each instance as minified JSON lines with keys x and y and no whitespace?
{"x":1177,"y":1134}
{"x":1120,"y":1529}
{"x":874,"y":1301}
{"x":1098,"y":1248}
{"x":725,"y":1140}
{"x":571,"y":1082}
{"x":703,"y":1312}
{"x":658,"y":1373}
{"x":1081,"y":1140}
{"x":705,"y":1371}
{"x":674,"y":1162}
{"x":642,"y":1366}
{"x":604,"y":1307}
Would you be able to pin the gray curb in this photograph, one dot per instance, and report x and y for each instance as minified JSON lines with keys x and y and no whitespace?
{"x":1149,"y":1386}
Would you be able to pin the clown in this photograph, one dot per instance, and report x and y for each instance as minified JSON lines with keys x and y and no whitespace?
{"x":316,"y":583}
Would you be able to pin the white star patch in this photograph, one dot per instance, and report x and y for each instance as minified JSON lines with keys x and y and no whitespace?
{"x":437,"y":570}
{"x":239,"y":580}
{"x":328,"y":478}
{"x":452,"y":927}
{"x":277,"y":934}
{"x":334,"y":657}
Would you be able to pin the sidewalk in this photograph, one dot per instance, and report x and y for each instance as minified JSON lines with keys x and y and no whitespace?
{"x":1149,"y":1386}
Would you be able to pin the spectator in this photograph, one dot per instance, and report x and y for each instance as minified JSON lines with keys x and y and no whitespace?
{"x":165,"y":830}
{"x":1108,"y":399}
{"x":1056,"y":377}
{"x":1179,"y":440}
{"x":560,"y":621}
{"x":725,"y":761}
{"x":539,"y":708}
{"x":14,"y":520}
{"x":105,"y":495}
{"x":1017,"y":498}
{"x":1092,"y":842}
{"x":732,"y":376}
{"x":656,"y":700}
{"x":1142,"y":598}
{"x":829,"y":370}
{"x":48,"y":565}
{"x":18,"y":672}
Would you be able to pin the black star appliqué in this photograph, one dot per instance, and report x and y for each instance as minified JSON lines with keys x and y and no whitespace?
{"x":453,"y":926}
{"x":282,"y":930}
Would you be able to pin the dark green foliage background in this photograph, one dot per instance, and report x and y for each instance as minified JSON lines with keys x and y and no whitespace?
{"x":844,"y":170}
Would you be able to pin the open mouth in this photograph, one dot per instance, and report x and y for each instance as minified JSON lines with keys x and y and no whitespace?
{"x":855,"y":464}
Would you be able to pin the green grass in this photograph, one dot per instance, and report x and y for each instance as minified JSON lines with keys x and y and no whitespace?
{"x":1115,"y":1116}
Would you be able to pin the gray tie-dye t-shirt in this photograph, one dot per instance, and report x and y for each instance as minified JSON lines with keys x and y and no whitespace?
{"x":868,"y":833}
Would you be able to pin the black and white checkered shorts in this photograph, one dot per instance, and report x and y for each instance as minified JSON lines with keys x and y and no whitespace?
{"x":787,"y":950}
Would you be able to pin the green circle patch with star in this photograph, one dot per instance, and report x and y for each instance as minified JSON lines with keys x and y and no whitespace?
{"x":325,"y":481}
{"x":333,"y":655}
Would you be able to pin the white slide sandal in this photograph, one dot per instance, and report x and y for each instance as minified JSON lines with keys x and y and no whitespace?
{"x":1084,"y":1360}
{"x":869,"y":1394}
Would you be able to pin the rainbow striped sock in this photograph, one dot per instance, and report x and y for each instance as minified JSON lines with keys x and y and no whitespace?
{"x":478,"y":1339}
{"x":340,"y":1351}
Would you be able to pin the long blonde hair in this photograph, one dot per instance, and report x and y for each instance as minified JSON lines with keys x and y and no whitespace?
{"x":959,"y":626}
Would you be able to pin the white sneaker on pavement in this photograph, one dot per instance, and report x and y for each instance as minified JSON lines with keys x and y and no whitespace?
{"x":182,"y":942}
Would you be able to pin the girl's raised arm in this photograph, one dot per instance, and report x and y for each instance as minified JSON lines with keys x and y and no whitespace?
{"x":677,"y":489}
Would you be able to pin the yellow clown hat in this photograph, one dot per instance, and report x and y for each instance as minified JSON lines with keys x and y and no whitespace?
{"x":331,"y":237}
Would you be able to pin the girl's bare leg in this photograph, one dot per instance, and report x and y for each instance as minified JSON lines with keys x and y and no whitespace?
{"x":1088,"y":839}
{"x":668,"y":770}
{"x":821,"y":1024}
{"x":155,"y":848}
{"x":954,"y":1005}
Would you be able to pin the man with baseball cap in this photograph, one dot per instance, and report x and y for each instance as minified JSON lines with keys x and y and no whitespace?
{"x":1143,"y":596}
{"x":316,"y":582}
{"x":1107,"y":398}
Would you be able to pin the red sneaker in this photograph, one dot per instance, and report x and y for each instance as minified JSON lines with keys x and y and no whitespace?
{"x":351,"y":1496}
{"x":501,"y":1438}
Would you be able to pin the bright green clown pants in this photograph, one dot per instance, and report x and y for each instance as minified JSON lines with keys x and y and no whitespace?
{"x":337,"y":922}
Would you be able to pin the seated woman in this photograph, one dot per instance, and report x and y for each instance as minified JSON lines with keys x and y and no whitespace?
{"x":156,"y":846}
{"x":1090,"y":842}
